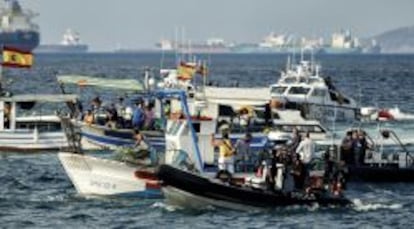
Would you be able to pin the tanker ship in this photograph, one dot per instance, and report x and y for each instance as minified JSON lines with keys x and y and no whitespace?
{"x":16,"y":27}
{"x":70,"y":43}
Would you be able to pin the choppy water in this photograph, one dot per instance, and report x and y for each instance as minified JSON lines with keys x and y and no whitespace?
{"x":35,"y":192}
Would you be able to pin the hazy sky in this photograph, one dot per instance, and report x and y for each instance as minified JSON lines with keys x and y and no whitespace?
{"x":140,"y":23}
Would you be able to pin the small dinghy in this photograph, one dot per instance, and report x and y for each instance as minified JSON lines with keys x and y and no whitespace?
{"x":192,"y":190}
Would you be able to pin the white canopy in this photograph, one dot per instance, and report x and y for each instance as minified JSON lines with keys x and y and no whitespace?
{"x":52,"y":98}
{"x":121,"y":84}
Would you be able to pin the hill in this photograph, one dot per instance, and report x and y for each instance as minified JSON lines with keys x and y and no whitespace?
{"x":399,"y":40}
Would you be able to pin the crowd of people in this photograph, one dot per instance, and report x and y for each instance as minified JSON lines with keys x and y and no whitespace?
{"x":118,"y":115}
{"x":353,"y":147}
{"x":296,"y":156}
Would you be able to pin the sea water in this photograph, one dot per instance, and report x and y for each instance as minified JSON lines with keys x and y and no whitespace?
{"x":36,"y":193}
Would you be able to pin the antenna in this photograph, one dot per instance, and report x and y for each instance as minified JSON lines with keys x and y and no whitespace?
{"x":176,"y":44}
{"x":301,"y":54}
{"x":182,"y":42}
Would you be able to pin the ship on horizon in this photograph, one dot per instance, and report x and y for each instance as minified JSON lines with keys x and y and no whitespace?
{"x":212,"y":45}
{"x":71,"y":43}
{"x":16,"y":27}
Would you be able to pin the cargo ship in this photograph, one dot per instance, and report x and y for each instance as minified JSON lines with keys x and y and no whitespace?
{"x":212,"y":45}
{"x":343,"y":43}
{"x":16,"y":27}
{"x":70,"y":43}
{"x":279,"y":44}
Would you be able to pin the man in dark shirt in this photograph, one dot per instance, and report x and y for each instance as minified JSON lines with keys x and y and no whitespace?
{"x":298,"y":172}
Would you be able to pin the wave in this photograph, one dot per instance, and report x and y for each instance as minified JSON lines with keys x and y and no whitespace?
{"x":363,"y":207}
{"x":167,"y":207}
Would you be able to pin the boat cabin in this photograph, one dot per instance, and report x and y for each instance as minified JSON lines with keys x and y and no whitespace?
{"x":180,"y":139}
{"x":10,"y":106}
{"x":22,"y":131}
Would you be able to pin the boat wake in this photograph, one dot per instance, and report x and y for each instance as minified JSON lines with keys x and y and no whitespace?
{"x":363,"y":207}
{"x":167,"y":207}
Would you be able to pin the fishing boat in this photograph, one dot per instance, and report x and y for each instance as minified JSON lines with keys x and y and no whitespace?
{"x":19,"y":132}
{"x":97,"y":135}
{"x":188,"y":182}
{"x":99,"y":176}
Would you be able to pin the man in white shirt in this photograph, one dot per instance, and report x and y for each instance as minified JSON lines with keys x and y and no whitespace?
{"x":306,"y":149}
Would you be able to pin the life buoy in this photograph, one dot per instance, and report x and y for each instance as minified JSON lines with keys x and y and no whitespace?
{"x":385,"y":114}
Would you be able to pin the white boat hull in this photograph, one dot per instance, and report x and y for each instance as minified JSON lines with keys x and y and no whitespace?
{"x":97,"y":176}
{"x":31,"y":140}
{"x":237,"y":96}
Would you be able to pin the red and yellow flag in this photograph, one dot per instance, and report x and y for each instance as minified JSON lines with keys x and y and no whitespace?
{"x":186,"y":71}
{"x":16,"y":58}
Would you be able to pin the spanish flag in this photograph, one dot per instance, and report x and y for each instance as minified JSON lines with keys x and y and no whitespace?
{"x":186,"y":71}
{"x":16,"y":58}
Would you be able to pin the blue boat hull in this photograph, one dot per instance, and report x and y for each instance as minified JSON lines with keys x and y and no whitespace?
{"x":21,"y":40}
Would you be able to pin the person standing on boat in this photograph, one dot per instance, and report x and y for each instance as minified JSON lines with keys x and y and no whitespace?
{"x":356,"y":148}
{"x":138,"y":116}
{"x":242,"y":147}
{"x":360,"y":156}
{"x":306,"y":149}
{"x":149,"y":117}
{"x":346,"y":149}
{"x":112,"y":117}
{"x":294,"y":142}
{"x":244,"y":118}
{"x":226,"y":152}
{"x":89,"y":118}
{"x":299,"y":173}
{"x":6,"y":115}
{"x":121,"y":111}
{"x":120,"y":106}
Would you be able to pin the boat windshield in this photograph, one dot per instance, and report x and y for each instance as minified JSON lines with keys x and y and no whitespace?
{"x":299,"y":91}
{"x":289,"y":80}
{"x":317,"y":92}
{"x":278,"y":90}
{"x":300,"y":128}
{"x":314,"y":80}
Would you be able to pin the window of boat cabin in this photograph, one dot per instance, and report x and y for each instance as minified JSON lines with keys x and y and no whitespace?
{"x":278,"y":90}
{"x":197,"y":127}
{"x":319,"y":92}
{"x":299,"y":90}
{"x":41,"y":126}
{"x":310,"y":129}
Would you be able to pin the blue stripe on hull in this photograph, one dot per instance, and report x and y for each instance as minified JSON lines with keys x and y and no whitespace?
{"x":147,"y":194}
{"x":117,"y":142}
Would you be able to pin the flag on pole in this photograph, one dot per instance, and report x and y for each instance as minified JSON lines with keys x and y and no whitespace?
{"x":186,"y":71}
{"x":16,"y":58}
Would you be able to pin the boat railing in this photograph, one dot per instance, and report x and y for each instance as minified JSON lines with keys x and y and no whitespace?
{"x":73,"y":135}
{"x":385,"y":133}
